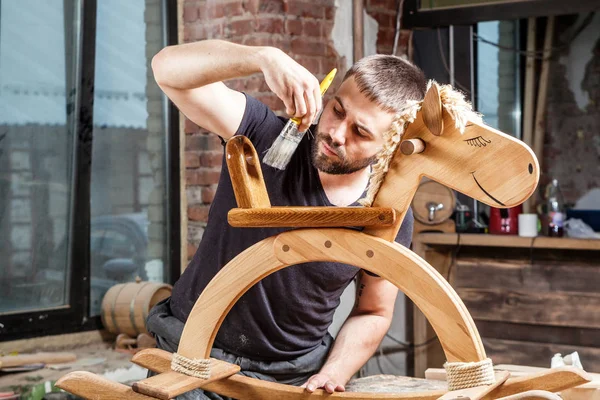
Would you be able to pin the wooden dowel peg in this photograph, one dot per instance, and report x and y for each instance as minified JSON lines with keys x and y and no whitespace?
{"x":412,"y":146}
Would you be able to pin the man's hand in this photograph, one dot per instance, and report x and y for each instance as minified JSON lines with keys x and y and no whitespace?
{"x":324,"y":381}
{"x":293,"y":84}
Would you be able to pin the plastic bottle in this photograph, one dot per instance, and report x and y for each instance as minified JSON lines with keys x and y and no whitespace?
{"x":555,"y":209}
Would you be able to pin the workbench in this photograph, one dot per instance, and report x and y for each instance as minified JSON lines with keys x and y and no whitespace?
{"x":529,"y":297}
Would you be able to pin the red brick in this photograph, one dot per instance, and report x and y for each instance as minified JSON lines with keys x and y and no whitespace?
{"x":268,"y":40}
{"x":233,"y":9}
{"x":385,"y":20}
{"x":191,"y":250}
{"x":191,"y":159}
{"x":273,"y":6}
{"x":385,"y":37}
{"x":211,"y":158}
{"x":306,"y":9}
{"x":329,"y":63}
{"x":330,"y":12}
{"x":293,"y":26}
{"x":264,"y":87}
{"x":198,"y":212}
{"x":270,"y":25}
{"x":271,"y":100}
{"x":313,"y":64}
{"x":312,"y":28}
{"x":189,"y":33}
{"x":208,"y":194}
{"x":203,"y":141}
{"x":301,"y":46}
{"x":386,"y":4}
{"x":214,"y":143}
{"x":190,"y":127}
{"x":236,"y":84}
{"x":240,"y":27}
{"x":202,"y":176}
{"x":327,"y":28}
{"x":211,"y":30}
{"x":254,"y":83}
{"x":251,"y":6}
{"x":190,"y":12}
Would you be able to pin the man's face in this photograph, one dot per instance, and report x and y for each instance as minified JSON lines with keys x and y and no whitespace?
{"x":350,"y":132}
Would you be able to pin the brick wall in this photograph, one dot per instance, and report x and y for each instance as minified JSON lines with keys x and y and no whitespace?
{"x":302,"y":29}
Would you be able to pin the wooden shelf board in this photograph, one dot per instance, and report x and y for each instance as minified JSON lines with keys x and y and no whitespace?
{"x":540,"y":242}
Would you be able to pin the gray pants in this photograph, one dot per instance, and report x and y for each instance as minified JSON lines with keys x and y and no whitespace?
{"x":167,"y":331}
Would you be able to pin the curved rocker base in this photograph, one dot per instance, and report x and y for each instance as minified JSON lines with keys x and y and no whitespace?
{"x":238,"y":386}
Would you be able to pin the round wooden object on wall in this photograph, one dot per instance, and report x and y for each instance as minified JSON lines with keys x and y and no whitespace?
{"x":126,"y":305}
{"x":433,"y":203}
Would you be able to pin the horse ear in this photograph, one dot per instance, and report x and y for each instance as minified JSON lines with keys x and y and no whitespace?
{"x":432,"y":111}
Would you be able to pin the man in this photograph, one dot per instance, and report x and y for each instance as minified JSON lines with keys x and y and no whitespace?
{"x":278,"y":330}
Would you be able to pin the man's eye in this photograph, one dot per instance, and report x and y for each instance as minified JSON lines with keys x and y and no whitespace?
{"x":337,"y":112}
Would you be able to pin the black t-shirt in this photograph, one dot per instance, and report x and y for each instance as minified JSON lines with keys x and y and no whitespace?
{"x":287,"y":313}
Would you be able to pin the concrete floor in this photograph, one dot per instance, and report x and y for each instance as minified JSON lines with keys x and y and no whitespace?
{"x":97,"y":356}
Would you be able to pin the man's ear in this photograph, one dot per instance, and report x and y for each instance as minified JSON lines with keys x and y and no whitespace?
{"x":432,"y":110}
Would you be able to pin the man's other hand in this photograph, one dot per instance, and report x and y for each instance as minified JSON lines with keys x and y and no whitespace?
{"x":323,"y":381}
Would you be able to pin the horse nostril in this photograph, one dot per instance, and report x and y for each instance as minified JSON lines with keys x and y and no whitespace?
{"x":530,"y":168}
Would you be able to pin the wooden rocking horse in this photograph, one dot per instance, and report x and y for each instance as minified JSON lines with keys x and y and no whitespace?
{"x":481,"y":162}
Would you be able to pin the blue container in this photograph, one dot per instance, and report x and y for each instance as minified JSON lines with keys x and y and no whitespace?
{"x":590,"y":217}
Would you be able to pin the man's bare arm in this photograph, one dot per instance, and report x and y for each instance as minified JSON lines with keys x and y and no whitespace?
{"x":191,"y":75}
{"x":360,"y":335}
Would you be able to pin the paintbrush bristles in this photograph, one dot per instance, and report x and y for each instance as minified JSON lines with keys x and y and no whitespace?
{"x":282,"y":150}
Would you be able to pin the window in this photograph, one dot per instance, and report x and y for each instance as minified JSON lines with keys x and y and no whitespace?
{"x":88,"y":145}
{"x":498,"y":77}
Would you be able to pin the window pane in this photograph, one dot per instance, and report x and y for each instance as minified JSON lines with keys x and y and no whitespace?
{"x":498,"y":95}
{"x":129,"y":150}
{"x":36,"y":152}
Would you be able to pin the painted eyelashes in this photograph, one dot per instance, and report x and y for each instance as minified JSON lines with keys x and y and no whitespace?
{"x":478,"y":141}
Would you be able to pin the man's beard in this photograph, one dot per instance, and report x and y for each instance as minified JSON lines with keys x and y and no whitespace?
{"x":340,"y":165}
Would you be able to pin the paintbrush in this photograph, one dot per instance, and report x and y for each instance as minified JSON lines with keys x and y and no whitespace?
{"x":280,"y":153}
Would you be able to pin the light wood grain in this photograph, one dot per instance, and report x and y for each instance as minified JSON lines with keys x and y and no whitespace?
{"x":497,"y":174}
{"x":246,"y":175}
{"x":412,"y":146}
{"x":91,"y":386}
{"x":170,"y":384}
{"x":529,"y":93}
{"x":538,"y":353}
{"x":243,"y":387}
{"x":542,"y":95}
{"x":515,"y":275}
{"x":471,"y":239}
{"x":311,"y":216}
{"x":557,"y":309}
{"x":46,"y":358}
{"x":552,"y":380}
{"x":418,"y":280}
{"x":432,"y":111}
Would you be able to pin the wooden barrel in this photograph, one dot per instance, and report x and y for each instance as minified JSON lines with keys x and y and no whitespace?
{"x":433,"y":203}
{"x":125,"y":306}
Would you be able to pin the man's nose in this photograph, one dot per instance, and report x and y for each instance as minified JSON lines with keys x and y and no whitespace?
{"x":338,"y":135}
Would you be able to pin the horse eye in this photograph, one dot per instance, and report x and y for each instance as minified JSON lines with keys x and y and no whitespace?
{"x":478,"y":141}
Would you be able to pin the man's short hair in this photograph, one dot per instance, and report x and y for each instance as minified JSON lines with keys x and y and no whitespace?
{"x":389,"y":81}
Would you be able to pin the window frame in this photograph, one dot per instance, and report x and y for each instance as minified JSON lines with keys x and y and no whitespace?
{"x":74,"y":317}
{"x":412,"y":17}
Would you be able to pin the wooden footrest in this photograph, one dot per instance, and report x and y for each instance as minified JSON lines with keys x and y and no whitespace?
{"x":314,"y":217}
{"x":171,"y":384}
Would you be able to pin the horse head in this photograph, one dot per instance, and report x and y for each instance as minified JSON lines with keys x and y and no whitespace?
{"x":448,"y":143}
